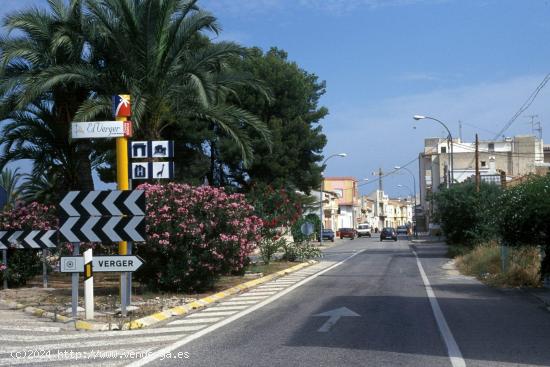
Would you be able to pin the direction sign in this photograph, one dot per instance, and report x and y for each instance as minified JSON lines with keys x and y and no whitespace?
{"x":101,"y":264}
{"x":30,"y":239}
{"x":102,"y":229}
{"x":101,"y":129}
{"x":152,"y":149}
{"x":102,"y":203}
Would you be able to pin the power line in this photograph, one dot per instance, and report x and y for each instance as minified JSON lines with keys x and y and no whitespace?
{"x":525,"y":105}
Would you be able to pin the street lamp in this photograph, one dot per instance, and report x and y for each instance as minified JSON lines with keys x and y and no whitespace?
{"x":449,"y":138}
{"x":341,"y":155}
{"x":397,"y":168}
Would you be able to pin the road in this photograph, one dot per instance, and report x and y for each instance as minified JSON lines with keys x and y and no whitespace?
{"x":366,"y":304}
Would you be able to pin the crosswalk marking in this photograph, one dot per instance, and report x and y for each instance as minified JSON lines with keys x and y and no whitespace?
{"x":46,"y":329}
{"x":246,"y":297}
{"x":213,"y":314}
{"x":93,"y":343}
{"x":100,"y":334}
{"x":203,"y":320}
{"x":239,"y":302}
{"x":260,"y":292}
{"x":224,"y":308}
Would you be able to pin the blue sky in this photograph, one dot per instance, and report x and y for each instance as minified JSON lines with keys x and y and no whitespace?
{"x":385,"y":60}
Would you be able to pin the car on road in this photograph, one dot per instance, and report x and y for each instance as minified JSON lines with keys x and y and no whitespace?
{"x":388,"y":233}
{"x":328,"y":234}
{"x":363,"y":230}
{"x":347,"y":233}
{"x":402,"y":230}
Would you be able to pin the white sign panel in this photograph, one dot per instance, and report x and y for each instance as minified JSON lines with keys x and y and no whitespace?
{"x":101,"y":129}
{"x":152,"y":149}
{"x":101,"y":264}
{"x":140,"y":171}
{"x":161,"y":170}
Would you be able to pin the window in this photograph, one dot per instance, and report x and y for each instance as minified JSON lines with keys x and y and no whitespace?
{"x":483,"y":164}
{"x":339,"y":192}
{"x":491,"y":147}
{"x":443,"y":149}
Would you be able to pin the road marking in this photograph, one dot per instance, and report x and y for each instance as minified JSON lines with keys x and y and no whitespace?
{"x":334,"y":316}
{"x":237,"y":316}
{"x":92,"y":343}
{"x":202,"y":320}
{"x":99,"y":334}
{"x":223,"y":308}
{"x":212,"y":314}
{"x":453,"y":350}
{"x":45,"y":329}
{"x":232,"y":303}
{"x":249,"y":298}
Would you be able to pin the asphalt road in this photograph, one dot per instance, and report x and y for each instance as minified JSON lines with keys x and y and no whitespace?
{"x":395,"y":325}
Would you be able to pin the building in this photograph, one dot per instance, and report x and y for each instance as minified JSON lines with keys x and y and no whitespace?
{"x":509,"y":158}
{"x":349,"y":207}
{"x":330,"y":208}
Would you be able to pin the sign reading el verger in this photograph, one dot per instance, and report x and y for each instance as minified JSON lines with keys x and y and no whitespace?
{"x":101,"y":129}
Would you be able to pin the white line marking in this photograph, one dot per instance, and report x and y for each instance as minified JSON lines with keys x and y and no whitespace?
{"x":232,"y":303}
{"x":46,"y":329}
{"x":99,"y":334}
{"x":230,"y":319}
{"x":203,"y":320}
{"x":93,"y":343}
{"x":453,"y":350}
{"x":249,"y":298}
{"x":223,"y":308}
{"x":259,"y":292}
{"x":213,"y":314}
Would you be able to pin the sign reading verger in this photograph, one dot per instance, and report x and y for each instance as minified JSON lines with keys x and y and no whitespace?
{"x":101,"y":129}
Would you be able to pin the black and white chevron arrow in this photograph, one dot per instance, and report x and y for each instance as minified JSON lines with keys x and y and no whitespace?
{"x":102,"y":203}
{"x":102,"y":229}
{"x":34,"y":239}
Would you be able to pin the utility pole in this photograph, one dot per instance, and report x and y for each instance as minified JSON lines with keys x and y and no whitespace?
{"x":460,"y":130}
{"x":536,"y":127}
{"x":380,"y":174}
{"x":478,"y":176}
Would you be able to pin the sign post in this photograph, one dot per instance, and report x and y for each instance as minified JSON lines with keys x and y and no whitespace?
{"x":5,"y":262}
{"x":89,"y":284}
{"x":122,"y":111}
{"x":74,"y":283}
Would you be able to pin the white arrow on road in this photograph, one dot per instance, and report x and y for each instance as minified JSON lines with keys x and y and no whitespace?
{"x":334,"y":316}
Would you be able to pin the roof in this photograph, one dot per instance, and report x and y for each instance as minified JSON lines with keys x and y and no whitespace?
{"x":343,"y":178}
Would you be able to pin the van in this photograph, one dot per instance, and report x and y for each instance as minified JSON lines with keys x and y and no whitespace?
{"x":363,"y":229}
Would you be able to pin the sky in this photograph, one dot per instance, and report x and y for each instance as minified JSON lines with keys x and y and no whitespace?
{"x":475,"y":61}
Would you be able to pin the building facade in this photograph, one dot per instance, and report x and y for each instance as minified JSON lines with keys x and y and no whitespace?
{"x":349,"y":207}
{"x":509,"y":158}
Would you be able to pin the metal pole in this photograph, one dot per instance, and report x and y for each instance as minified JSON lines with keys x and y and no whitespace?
{"x":321,"y":210}
{"x":88,"y":284}
{"x":129,"y":282}
{"x":5,"y":261}
{"x":74,"y":284}
{"x":44,"y":269}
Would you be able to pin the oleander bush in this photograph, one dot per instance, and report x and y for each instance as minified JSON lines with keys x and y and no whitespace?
{"x":24,"y":264}
{"x":195,"y":234}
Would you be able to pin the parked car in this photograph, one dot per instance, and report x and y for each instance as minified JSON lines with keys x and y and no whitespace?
{"x":363,"y":230}
{"x":402,"y":230}
{"x":348,"y":233}
{"x":388,"y":233}
{"x":328,"y":234}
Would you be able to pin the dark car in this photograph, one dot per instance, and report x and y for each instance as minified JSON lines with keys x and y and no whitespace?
{"x":402,"y":230}
{"x":328,"y":234}
{"x":348,"y":233}
{"x":388,"y":234}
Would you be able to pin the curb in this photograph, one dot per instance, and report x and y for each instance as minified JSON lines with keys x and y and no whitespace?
{"x":195,"y":305}
{"x":35,"y":311}
{"x":159,"y":316}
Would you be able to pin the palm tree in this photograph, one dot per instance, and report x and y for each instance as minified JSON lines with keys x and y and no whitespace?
{"x":37,"y":106}
{"x":9,"y":180}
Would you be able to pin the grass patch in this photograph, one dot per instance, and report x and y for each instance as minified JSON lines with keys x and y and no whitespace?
{"x":485,"y":263}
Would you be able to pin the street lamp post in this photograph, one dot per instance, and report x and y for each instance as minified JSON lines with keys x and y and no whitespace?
{"x":342,"y":155}
{"x":414,"y":186}
{"x":449,"y":138}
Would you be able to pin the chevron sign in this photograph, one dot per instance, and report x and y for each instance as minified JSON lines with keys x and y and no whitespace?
{"x":102,"y":203}
{"x":103,"y":229}
{"x":34,"y":239}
